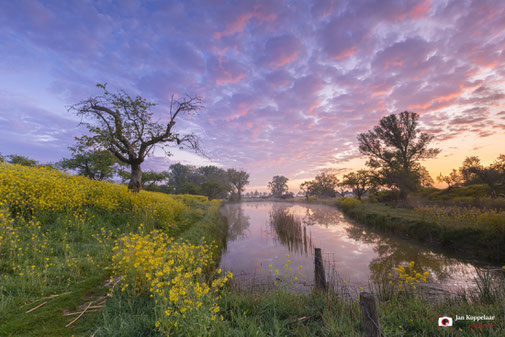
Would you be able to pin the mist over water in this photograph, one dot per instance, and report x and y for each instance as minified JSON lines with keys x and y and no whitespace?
{"x":262,"y":233}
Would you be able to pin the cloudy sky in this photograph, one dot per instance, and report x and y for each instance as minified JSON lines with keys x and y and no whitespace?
{"x":287,"y":85}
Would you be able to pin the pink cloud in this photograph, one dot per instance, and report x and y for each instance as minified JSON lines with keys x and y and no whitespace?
{"x":258,"y":12}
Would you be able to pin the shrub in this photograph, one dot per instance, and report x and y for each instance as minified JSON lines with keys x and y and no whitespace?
{"x":174,"y":274}
{"x":385,"y":196}
{"x":38,"y":191}
{"x":348,"y":203}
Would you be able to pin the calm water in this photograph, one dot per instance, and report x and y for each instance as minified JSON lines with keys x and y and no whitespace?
{"x":354,"y":253}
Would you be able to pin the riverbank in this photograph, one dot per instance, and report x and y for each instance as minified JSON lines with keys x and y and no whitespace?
{"x":88,"y":258}
{"x":70,"y":245}
{"x":473,"y":232}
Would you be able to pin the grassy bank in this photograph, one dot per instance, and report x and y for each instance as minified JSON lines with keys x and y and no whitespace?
{"x":280,"y":313}
{"x":59,"y":235}
{"x":473,"y":231}
{"x":147,"y":265}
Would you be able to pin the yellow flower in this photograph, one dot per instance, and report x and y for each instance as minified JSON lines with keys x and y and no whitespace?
{"x":276,"y":271}
{"x":269,"y":266}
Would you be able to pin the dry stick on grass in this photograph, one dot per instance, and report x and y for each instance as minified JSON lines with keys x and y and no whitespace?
{"x":48,"y":298}
{"x":75,"y":319}
{"x":38,"y":306}
{"x":79,"y":312}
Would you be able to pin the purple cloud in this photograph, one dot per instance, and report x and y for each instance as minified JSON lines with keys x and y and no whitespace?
{"x":287,"y":85}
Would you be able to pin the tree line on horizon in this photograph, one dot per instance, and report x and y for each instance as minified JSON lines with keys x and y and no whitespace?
{"x":394,"y":149}
{"x":122,"y":132}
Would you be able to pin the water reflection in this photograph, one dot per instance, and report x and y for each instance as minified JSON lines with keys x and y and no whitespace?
{"x":392,"y":252}
{"x":238,"y":222}
{"x":289,"y":230}
{"x":320,"y":216}
{"x":262,"y":233}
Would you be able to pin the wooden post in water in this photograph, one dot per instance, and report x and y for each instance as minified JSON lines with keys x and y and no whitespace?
{"x":319,"y":275}
{"x":370,"y":315}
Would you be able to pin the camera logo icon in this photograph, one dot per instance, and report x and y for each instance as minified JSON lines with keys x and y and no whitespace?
{"x":445,"y":321}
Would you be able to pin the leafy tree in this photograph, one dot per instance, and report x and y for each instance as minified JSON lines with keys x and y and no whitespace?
{"x":278,"y":186}
{"x":307,"y":188}
{"x":190,"y":188}
{"x":341,"y":190}
{"x":125,"y":126}
{"x":453,"y":179}
{"x":360,"y":182}
{"x":152,"y":178}
{"x":325,"y":184}
{"x":238,"y":179}
{"x":395,"y":147}
{"x":493,"y":175}
{"x":21,"y":160}
{"x":92,"y":163}
{"x":212,"y":189}
{"x":2,"y":158}
{"x":180,"y":175}
{"x":217,"y":178}
{"x":424,"y":177}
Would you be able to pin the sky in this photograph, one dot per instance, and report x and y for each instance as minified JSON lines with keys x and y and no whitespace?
{"x":287,"y":85}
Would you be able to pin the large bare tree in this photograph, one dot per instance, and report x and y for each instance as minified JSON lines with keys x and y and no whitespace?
{"x":395,"y":147}
{"x":126,"y":127}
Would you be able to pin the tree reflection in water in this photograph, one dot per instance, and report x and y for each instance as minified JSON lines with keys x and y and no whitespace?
{"x":394,"y":251}
{"x":289,"y":230}
{"x":321,"y":216}
{"x":238,"y":223}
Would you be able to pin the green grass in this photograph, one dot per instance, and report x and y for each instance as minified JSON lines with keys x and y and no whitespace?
{"x":78,"y":251}
{"x":470,"y":238}
{"x":280,"y":313}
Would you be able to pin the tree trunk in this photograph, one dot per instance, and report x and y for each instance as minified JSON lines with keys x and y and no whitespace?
{"x":135,"y":184}
{"x":403,"y":193}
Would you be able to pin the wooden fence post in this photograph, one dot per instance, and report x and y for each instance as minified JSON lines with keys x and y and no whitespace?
{"x":370,"y":315}
{"x":320,"y":277}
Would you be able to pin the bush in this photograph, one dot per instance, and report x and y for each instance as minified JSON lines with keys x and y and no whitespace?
{"x":385,"y":196}
{"x":173,"y":273}
{"x":471,"y":191}
{"x":348,"y":203}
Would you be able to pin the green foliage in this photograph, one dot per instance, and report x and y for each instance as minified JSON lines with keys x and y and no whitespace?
{"x":394,"y":148}
{"x":360,"y":182}
{"x":210,"y":181}
{"x":21,"y":160}
{"x":56,"y":237}
{"x":278,"y":186}
{"x":322,"y":186}
{"x":473,"y":191}
{"x":348,"y":203}
{"x":385,"y":196}
{"x":91,"y":163}
{"x":474,"y":232}
{"x":473,"y":172}
{"x":238,"y":179}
